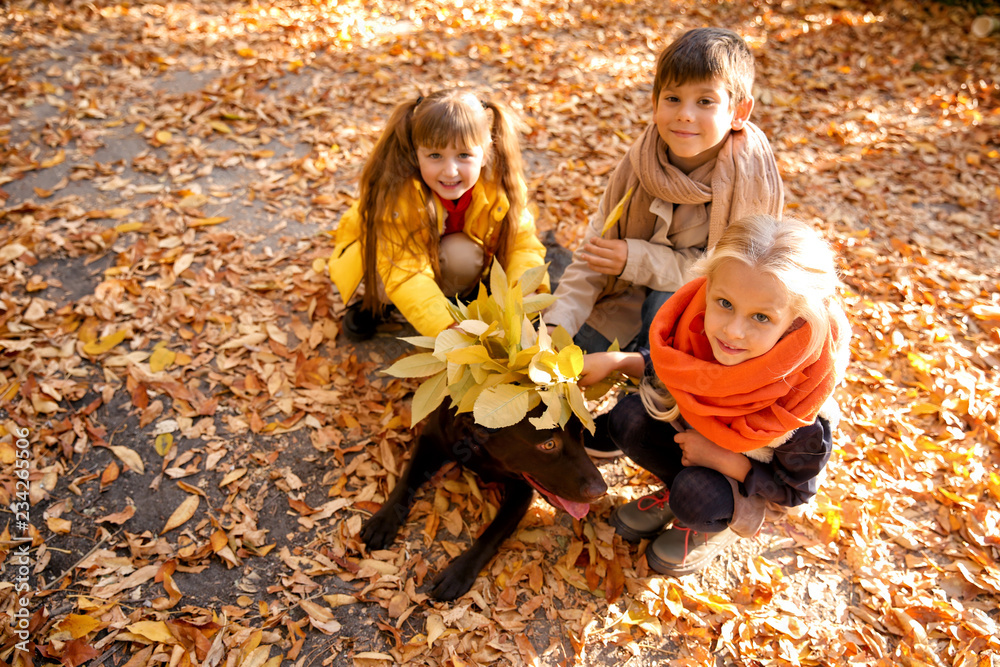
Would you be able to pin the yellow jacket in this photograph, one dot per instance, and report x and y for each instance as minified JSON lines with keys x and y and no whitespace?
{"x":407,"y":275}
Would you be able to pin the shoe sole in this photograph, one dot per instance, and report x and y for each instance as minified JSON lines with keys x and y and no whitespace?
{"x":603,"y":454}
{"x":631,"y":535}
{"x":691,"y":566}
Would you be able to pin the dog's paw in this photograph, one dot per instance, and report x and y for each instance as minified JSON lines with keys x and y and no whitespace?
{"x":380,"y":530}
{"x":453,"y":582}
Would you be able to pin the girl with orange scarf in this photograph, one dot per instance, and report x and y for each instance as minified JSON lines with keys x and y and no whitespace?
{"x":735,"y":409}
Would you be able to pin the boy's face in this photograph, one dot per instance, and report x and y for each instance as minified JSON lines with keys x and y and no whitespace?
{"x":695,"y":118}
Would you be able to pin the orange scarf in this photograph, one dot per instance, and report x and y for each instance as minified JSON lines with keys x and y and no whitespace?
{"x":753,"y":404}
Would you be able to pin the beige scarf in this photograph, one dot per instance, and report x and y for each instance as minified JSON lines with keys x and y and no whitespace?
{"x":745,"y":181}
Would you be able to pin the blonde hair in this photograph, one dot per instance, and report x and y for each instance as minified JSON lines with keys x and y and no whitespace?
{"x":797,"y":257}
{"x":446,"y":117}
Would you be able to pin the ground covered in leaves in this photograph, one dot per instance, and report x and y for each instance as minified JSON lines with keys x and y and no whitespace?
{"x":189,"y":448}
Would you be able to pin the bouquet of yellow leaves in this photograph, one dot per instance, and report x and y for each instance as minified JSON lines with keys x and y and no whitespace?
{"x":497,"y":364}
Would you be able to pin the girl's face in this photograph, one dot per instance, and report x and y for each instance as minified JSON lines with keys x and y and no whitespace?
{"x":746,"y":313}
{"x":450,"y":172}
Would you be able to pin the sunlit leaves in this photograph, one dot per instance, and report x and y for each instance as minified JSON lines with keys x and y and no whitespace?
{"x":496,"y":363}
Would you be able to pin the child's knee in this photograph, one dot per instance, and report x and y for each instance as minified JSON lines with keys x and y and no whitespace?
{"x":461,"y":260}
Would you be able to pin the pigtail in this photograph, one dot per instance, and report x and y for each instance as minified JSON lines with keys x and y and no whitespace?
{"x":508,"y":170}
{"x":389,"y":169}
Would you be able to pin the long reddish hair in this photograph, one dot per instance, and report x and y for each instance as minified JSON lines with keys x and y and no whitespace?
{"x":453,"y":116}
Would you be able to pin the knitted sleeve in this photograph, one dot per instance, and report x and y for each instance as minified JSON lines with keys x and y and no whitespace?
{"x":792,"y":476}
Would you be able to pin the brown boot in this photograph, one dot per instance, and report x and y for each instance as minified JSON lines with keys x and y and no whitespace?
{"x":643,"y":518}
{"x":680,"y":550}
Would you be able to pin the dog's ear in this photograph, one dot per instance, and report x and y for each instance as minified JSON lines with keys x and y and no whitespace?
{"x":575,"y":428}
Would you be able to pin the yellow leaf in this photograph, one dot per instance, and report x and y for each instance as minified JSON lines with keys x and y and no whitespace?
{"x":163,"y":443}
{"x":161,"y":359}
{"x":831,"y":524}
{"x":428,"y":396}
{"x":416,"y":366}
{"x":77,"y":625}
{"x":182,"y":514}
{"x":104,"y":344}
{"x":994,"y":484}
{"x":246,"y":52}
{"x":501,"y":406}
{"x":921,"y":363}
{"x":155,"y":631}
{"x":205,"y":222}
{"x":219,"y":126}
{"x":570,"y":361}
{"x":864,"y":182}
{"x":616,"y":212}
{"x":128,"y":227}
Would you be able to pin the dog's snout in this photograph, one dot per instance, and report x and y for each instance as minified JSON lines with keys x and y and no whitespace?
{"x":594,"y":489}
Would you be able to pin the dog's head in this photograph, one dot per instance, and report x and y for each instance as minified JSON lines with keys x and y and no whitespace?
{"x":551,"y":460}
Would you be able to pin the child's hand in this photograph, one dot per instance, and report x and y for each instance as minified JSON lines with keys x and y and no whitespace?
{"x":700,"y":451}
{"x":607,"y":256}
{"x":596,"y":367}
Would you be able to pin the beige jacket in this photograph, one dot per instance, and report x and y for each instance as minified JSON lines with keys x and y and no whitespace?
{"x":668,"y":222}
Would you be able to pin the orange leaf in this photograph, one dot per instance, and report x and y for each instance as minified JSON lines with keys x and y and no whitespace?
{"x":205,"y":222}
{"x":58,"y":158}
{"x":77,"y":625}
{"x":109,"y":475}
{"x":119,"y":517}
{"x":182,"y":514}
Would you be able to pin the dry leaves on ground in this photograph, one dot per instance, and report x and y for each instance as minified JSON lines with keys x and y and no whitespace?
{"x":202,"y":447}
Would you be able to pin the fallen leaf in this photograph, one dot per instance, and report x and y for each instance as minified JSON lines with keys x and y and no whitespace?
{"x":129,"y":457}
{"x":182,"y":514}
{"x":105,"y":344}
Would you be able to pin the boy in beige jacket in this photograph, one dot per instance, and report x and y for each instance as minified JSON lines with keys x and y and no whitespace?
{"x":698,"y":166}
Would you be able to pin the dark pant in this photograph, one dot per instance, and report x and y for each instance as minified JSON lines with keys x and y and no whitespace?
{"x":700,"y":498}
{"x":590,"y":340}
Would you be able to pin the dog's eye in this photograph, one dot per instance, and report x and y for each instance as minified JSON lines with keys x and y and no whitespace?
{"x":547,"y":446}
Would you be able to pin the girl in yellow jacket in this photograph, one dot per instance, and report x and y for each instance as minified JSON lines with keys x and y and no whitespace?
{"x":441,"y":195}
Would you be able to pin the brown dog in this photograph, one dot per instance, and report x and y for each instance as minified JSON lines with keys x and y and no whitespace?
{"x":518,"y":457}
